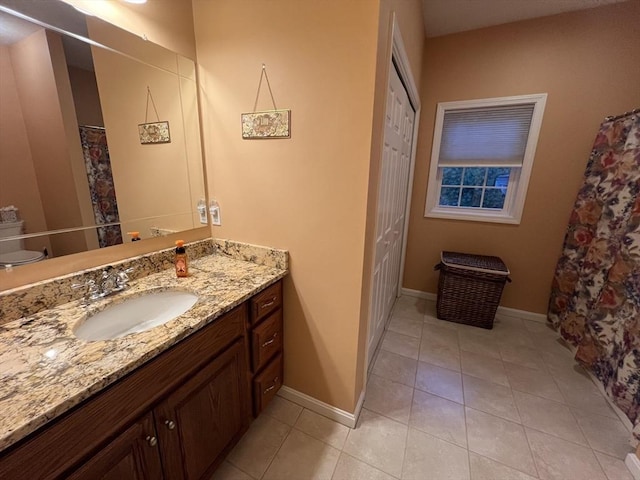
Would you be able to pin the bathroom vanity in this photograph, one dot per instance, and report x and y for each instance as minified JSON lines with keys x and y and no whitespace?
{"x":168,"y":403}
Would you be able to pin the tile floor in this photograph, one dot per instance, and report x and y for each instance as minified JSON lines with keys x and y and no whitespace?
{"x":449,"y":402}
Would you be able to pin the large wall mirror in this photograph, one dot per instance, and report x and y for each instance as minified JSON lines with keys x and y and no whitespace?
{"x":73,"y":164}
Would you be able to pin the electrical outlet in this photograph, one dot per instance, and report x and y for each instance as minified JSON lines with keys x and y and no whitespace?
{"x":214,"y":211}
{"x":202,"y":211}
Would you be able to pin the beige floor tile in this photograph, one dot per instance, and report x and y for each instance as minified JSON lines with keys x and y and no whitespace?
{"x":259,"y":445}
{"x":430,"y":457}
{"x":483,"y":468}
{"x":532,"y":381}
{"x":283,"y":410}
{"x":523,"y":356}
{"x":409,"y":307}
{"x":431,"y":319}
{"x":396,"y":367}
{"x":484,"y":367}
{"x":226,"y":471}
{"x":401,"y":344}
{"x":604,"y":434}
{"x":505,"y":324}
{"x":500,"y":440}
{"x":388,"y":398}
{"x":554,"y":346}
{"x":350,"y":468}
{"x":439,"y":417}
{"x":378,"y":441}
{"x":444,"y":333}
{"x":558,"y":459}
{"x":439,"y":381}
{"x":475,"y":343}
{"x":538,"y":327}
{"x":323,"y":429}
{"x":406,"y":326}
{"x":442,"y":353}
{"x":548,"y":416}
{"x":614,"y":468}
{"x":478,"y":331}
{"x":560,"y":357}
{"x":302,"y":456}
{"x":430,"y":308}
{"x":587,"y":401}
{"x":490,"y":398}
{"x":579,"y":390}
{"x":573,"y":377}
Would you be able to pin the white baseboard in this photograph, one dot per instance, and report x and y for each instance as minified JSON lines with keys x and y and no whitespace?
{"x":502,"y":311}
{"x":633,"y":464}
{"x":321,"y":408}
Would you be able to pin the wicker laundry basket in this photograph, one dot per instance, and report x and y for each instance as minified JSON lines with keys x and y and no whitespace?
{"x":470,"y":287}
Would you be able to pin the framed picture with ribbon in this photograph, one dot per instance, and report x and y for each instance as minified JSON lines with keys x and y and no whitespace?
{"x":153,"y":132}
{"x":267,"y":124}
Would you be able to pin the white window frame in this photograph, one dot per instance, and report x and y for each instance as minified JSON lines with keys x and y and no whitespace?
{"x":518,"y":179}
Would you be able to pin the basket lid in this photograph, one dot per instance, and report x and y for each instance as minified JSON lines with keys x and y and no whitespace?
{"x":478,"y":263}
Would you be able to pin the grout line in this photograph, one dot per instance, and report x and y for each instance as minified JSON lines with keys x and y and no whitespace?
{"x":533,"y":457}
{"x":466,"y":427}
{"x":277,"y":451}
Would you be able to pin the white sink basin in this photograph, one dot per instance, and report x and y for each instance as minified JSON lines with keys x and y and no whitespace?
{"x":135,"y":314}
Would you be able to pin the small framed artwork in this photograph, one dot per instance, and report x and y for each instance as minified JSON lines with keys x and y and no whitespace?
{"x":266,"y":125}
{"x":156,"y":132}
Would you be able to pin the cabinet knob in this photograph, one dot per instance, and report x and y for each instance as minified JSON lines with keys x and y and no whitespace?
{"x":170,"y":424}
{"x":152,"y":441}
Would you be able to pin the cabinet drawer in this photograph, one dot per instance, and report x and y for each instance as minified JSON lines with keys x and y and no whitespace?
{"x":266,"y":302}
{"x":266,"y":384}
{"x":266,"y":340}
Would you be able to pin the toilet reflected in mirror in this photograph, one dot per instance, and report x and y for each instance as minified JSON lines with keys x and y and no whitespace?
{"x":12,"y":250}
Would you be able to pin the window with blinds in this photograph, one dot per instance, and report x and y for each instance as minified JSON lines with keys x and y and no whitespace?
{"x":481,"y":159}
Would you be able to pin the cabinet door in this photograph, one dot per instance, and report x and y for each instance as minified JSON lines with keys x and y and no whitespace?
{"x":197,"y":421}
{"x":133,"y":455}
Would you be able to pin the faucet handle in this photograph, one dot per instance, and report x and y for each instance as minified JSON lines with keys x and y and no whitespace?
{"x":88,"y":284}
{"x":122,"y":279}
{"x":92,"y":291}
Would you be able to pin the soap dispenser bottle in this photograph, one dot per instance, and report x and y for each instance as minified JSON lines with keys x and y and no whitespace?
{"x":182,"y":268}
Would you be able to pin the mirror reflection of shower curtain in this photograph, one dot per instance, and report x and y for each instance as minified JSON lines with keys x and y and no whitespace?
{"x":101,"y":187}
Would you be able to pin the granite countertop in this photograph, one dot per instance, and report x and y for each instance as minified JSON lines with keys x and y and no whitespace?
{"x":45,"y":370}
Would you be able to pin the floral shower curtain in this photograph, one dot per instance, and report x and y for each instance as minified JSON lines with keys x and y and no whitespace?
{"x":101,"y":188}
{"x":595,"y":299}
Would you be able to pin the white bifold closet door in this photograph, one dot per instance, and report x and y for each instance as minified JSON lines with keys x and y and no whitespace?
{"x":392,"y":203}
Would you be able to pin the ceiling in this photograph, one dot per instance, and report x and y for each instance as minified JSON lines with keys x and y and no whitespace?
{"x":442,"y":17}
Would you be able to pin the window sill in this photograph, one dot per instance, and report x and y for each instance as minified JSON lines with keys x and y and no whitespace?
{"x":458,"y":214}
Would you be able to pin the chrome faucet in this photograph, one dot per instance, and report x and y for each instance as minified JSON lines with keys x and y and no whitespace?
{"x":111,"y":281}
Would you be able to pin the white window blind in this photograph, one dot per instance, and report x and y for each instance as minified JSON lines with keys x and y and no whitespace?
{"x":486,"y":136}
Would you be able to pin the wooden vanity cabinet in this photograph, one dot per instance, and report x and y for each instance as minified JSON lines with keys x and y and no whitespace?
{"x":196,"y":422}
{"x":173,"y":418}
{"x":132,"y":455}
{"x":266,"y":342}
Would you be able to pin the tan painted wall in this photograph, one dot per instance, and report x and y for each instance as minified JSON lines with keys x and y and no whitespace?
{"x":18,"y":182}
{"x":36,"y":83}
{"x":307,"y":194}
{"x":589,"y":64}
{"x":172,"y":23}
{"x":150,"y":180}
{"x":88,"y":239}
{"x":408,"y":14}
{"x":166,"y":22}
